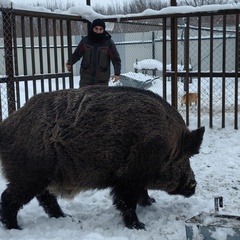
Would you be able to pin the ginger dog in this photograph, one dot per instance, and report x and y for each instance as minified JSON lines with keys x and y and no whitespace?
{"x":192,"y":97}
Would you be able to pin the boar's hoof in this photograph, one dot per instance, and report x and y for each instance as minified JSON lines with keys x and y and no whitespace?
{"x":146,"y":202}
{"x":9,"y":224}
{"x":8,"y":221}
{"x":137,"y":225}
{"x":131,"y":220}
{"x":144,"y":199}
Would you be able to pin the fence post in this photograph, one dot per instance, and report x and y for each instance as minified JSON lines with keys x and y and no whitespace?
{"x":174,"y":56}
{"x":8,"y":36}
{"x":69,"y":42}
{"x":174,"y":60}
{"x":153,"y":45}
{"x":237,"y":68}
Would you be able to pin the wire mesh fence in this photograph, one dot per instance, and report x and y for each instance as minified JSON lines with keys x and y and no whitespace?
{"x":7,"y":91}
{"x":210,"y":44}
{"x":206,"y":62}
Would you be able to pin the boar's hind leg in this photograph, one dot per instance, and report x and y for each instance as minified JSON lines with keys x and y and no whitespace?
{"x":125,"y":199}
{"x":50,"y":204}
{"x":144,"y":199}
{"x":9,"y":209}
{"x":12,"y":199}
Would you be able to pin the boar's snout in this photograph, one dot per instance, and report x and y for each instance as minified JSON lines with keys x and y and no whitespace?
{"x":186,"y":190}
{"x":189,"y":189}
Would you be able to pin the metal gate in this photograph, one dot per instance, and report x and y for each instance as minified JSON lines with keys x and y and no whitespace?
{"x":199,"y":53}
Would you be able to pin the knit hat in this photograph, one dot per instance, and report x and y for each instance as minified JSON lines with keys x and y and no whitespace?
{"x":98,"y":22}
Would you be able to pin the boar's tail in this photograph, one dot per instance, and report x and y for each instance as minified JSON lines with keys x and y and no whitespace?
{"x":193,"y":141}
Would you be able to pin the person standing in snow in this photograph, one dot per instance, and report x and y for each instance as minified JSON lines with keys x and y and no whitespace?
{"x":96,"y":49}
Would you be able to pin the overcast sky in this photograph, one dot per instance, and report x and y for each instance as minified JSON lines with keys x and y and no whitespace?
{"x":93,"y":2}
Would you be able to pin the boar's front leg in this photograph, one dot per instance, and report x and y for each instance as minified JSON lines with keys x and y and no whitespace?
{"x":50,"y":204}
{"x":125,"y":199}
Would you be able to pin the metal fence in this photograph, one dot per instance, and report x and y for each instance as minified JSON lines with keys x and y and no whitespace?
{"x":196,"y":52}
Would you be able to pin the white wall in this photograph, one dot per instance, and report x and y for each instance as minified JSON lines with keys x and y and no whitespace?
{"x":131,"y":46}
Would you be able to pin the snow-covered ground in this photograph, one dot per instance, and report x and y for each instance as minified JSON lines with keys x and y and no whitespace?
{"x":216,"y":168}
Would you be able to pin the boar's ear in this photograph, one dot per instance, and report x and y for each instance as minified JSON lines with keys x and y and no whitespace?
{"x":193,"y":140}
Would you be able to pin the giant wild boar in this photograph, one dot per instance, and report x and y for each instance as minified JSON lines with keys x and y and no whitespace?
{"x":64,"y":142}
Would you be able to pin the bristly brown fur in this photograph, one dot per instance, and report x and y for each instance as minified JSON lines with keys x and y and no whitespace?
{"x":125,"y":139}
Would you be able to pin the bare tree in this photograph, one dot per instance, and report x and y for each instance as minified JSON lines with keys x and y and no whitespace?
{"x":133,"y":6}
{"x":54,"y":4}
{"x":196,"y":3}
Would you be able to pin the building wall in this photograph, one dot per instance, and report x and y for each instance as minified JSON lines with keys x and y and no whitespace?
{"x":132,"y":47}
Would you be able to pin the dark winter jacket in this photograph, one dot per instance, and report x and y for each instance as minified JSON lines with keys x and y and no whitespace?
{"x":96,"y":56}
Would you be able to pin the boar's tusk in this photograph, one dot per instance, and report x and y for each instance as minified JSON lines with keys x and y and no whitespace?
{"x":192,"y":185}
